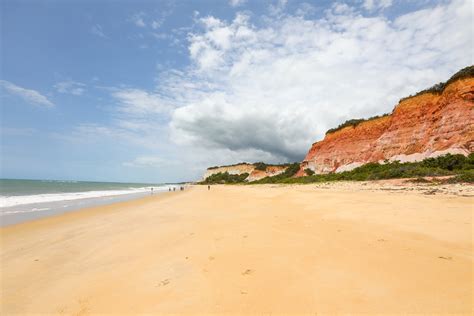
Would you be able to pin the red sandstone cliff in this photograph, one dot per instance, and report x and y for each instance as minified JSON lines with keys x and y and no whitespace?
{"x":426,"y":125}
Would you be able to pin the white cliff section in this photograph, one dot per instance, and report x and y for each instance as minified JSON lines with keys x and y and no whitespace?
{"x":237,"y":169}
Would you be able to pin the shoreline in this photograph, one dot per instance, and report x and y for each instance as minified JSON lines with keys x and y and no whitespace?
{"x":70,"y":202}
{"x":328,"y":248}
{"x":91,"y":210}
{"x":17,"y":215}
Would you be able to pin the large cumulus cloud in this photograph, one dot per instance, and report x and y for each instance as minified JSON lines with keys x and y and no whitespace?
{"x":278,"y":87}
{"x":268,"y":88}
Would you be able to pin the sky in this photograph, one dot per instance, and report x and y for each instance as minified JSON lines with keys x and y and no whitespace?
{"x":157,"y":91}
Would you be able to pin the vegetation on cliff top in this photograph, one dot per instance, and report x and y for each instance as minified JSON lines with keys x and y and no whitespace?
{"x":236,"y":164}
{"x":225,"y":177}
{"x":438,"y":88}
{"x":354,"y":123}
{"x":287,"y":174}
{"x":460,"y":166}
{"x":258,"y":165}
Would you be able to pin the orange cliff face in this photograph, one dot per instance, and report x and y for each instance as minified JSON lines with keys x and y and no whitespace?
{"x":419,"y":127}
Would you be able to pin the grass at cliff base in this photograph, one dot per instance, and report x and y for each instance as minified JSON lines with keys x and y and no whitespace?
{"x":459,"y":167}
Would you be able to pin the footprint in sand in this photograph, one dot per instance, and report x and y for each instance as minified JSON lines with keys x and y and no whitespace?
{"x":445,"y":258}
{"x":247,"y":272}
{"x":243,"y":292}
{"x":164,"y":282}
{"x":211,"y":258}
{"x":83,"y":307}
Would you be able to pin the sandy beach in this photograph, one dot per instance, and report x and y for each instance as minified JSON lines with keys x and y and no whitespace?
{"x":303,"y":249}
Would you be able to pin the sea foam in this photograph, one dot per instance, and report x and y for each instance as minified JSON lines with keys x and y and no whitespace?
{"x":9,"y":201}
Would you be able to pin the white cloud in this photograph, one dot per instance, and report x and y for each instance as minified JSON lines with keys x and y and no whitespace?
{"x":151,"y":161}
{"x":15,"y":131}
{"x":31,"y":96}
{"x":70,"y":87}
{"x":140,"y":102}
{"x":267,"y":92}
{"x":137,"y":19}
{"x":277,"y":8}
{"x":161,"y":17}
{"x":156,"y":24}
{"x":237,"y":3}
{"x":278,"y":87}
{"x":161,"y":36}
{"x":305,"y":9}
{"x":97,"y":30}
{"x":372,"y":5}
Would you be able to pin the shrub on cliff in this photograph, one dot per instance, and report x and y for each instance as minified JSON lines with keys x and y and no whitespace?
{"x":225,"y":177}
{"x":235,"y":164}
{"x":467,"y":72}
{"x":459,"y":165}
{"x":290,"y":171}
{"x":354,"y":123}
{"x":308,"y":172}
{"x":466,"y":176}
{"x":260,"y":166}
{"x":450,"y":162}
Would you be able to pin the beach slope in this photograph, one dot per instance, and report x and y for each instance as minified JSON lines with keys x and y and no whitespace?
{"x":248,"y":250}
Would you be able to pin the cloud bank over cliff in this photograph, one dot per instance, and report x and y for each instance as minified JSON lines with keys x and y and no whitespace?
{"x":267,"y":87}
{"x":278,"y":86}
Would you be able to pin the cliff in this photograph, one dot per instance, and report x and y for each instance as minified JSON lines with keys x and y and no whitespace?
{"x":434,"y":122}
{"x":251,"y":169}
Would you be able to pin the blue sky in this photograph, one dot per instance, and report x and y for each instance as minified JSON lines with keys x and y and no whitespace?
{"x":156,"y":91}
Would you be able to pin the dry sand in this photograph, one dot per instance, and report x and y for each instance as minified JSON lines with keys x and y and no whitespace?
{"x":345,"y":248}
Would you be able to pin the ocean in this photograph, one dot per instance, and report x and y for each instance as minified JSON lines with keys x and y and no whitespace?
{"x":22,"y":200}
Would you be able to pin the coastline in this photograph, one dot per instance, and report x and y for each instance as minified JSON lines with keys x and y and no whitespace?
{"x":326,"y":248}
{"x":29,"y":212}
{"x":44,"y":202}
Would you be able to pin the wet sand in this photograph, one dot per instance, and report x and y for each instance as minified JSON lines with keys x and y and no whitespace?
{"x":339,"y":248}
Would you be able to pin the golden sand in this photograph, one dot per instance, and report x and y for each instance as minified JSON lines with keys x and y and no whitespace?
{"x":247,"y":250}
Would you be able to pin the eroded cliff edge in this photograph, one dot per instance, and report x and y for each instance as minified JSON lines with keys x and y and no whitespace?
{"x":432,"y":123}
{"x":254,"y":171}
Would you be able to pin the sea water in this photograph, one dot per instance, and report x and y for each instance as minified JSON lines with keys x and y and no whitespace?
{"x":22,"y":200}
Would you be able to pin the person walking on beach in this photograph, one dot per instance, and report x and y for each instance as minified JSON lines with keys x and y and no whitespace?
{"x":208,"y":187}
{"x":151,"y":191}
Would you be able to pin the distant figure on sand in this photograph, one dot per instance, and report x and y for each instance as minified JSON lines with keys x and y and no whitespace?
{"x":174,"y":189}
{"x":151,"y":191}
{"x":208,"y":187}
